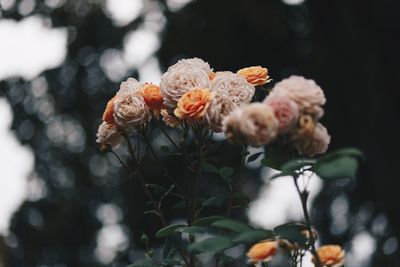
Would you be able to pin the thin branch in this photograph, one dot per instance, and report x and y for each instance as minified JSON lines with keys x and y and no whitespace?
{"x":303,"y":197}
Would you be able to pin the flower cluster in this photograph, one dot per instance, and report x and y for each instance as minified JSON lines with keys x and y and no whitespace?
{"x":191,"y":92}
{"x":291,"y":109}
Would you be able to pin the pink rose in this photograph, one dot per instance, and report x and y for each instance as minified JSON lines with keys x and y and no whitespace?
{"x":285,"y":110}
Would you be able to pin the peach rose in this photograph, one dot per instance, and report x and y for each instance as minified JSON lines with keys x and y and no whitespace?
{"x":305,"y":92}
{"x":108,"y":134}
{"x":152,"y":96}
{"x":285,"y":110}
{"x":169,"y":119}
{"x":330,"y":255}
{"x":234,"y":85}
{"x":108,"y":115}
{"x":194,"y":104}
{"x":262,"y":252}
{"x":255,"y":75}
{"x":316,"y":144}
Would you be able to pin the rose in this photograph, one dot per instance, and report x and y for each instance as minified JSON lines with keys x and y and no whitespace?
{"x":285,"y":110}
{"x":258,"y":124}
{"x":107,"y":134}
{"x":220,"y":107}
{"x":234,"y":85}
{"x":130,"y":110}
{"x":262,"y":252}
{"x":330,"y":255}
{"x":193,"y":62}
{"x":306,"y":93}
{"x":254,"y":124}
{"x":130,"y":86}
{"x":194,"y":104}
{"x":183,"y":77}
{"x":231,"y":127}
{"x":306,"y":127}
{"x":152,"y":96}
{"x":108,"y":115}
{"x":255,"y":75}
{"x":316,"y":144}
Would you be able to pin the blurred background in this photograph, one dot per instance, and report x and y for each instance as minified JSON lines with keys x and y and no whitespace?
{"x":65,"y":204}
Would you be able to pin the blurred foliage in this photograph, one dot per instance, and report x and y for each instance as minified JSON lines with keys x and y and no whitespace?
{"x":349,"y":47}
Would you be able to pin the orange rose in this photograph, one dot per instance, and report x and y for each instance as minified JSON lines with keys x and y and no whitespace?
{"x":262,"y":252}
{"x":330,"y":255}
{"x":108,"y":115}
{"x":255,"y":75}
{"x":194,"y":104}
{"x":152,"y":96}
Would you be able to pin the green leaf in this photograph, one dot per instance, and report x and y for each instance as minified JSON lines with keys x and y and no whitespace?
{"x":225,"y":172}
{"x":297,"y":164}
{"x":253,"y":236}
{"x":168,"y":230}
{"x":337,"y":168}
{"x":220,"y":199}
{"x":211,"y":245}
{"x":191,"y":229}
{"x":206,"y":221}
{"x":254,"y":157}
{"x":207,"y":167}
{"x":231,"y":225}
{"x":291,"y":232}
{"x":342,"y":163}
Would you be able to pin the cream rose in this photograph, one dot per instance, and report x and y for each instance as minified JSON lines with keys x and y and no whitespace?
{"x":258,"y":124}
{"x":193,"y":62}
{"x":130,"y":110}
{"x":235,"y":85}
{"x":285,"y":110}
{"x":130,"y":86}
{"x":181,"y":78}
{"x":108,"y":134}
{"x":305,"y":92}
{"x":220,"y":107}
{"x":231,"y":127}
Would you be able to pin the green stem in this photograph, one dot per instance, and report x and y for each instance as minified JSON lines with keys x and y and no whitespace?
{"x":154,"y":154}
{"x":236,"y":181}
{"x":303,"y":197}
